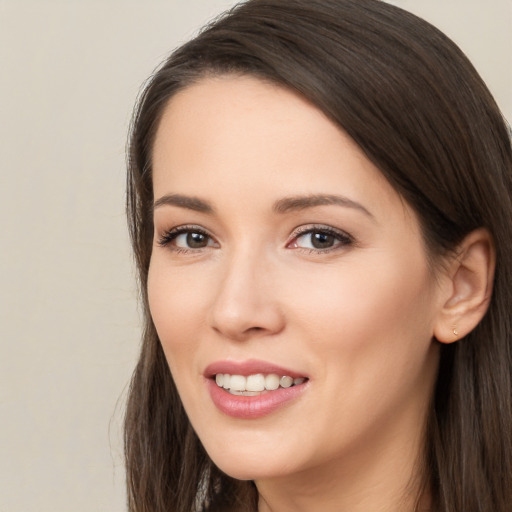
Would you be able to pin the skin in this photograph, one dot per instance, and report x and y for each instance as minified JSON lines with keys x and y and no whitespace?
{"x":357,"y":318}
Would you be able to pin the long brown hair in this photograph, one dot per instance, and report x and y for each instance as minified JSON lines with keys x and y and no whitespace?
{"x":418,"y":109}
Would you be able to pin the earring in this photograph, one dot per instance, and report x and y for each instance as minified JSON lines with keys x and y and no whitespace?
{"x":455,"y":332}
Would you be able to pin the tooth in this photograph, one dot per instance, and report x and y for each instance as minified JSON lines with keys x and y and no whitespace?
{"x":286,"y":381}
{"x":271,"y":382}
{"x":237,"y":383}
{"x":245,"y":393}
{"x":251,"y":393}
{"x":255,"y":382}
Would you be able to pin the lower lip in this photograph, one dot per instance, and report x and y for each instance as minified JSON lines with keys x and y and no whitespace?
{"x":252,"y":407}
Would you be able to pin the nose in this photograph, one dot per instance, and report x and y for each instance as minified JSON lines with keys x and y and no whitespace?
{"x":246,"y":304}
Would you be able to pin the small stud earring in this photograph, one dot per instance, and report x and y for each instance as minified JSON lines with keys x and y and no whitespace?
{"x":455,"y":332}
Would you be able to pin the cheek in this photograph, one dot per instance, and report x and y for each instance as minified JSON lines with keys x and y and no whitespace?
{"x":175,"y":307}
{"x":375,"y":311}
{"x":369,"y":336}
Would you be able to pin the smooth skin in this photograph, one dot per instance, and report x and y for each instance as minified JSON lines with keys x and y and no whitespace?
{"x":254,"y":258}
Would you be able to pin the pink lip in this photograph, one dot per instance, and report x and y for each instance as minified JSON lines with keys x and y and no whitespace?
{"x":251,"y":407}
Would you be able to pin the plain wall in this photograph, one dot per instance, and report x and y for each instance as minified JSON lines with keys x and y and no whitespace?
{"x":69,"y":325}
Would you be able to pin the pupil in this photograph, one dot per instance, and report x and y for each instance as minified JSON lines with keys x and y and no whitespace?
{"x":196,"y":240}
{"x":322,"y":240}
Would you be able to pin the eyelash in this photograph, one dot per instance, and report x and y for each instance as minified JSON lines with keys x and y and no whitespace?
{"x":343,"y":239}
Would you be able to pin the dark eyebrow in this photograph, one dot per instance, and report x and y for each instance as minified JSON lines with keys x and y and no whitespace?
{"x":284,"y":205}
{"x":294,"y":203}
{"x":190,"y":203}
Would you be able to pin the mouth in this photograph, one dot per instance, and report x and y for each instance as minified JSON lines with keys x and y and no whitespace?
{"x":255,"y":384}
{"x":253,"y":388}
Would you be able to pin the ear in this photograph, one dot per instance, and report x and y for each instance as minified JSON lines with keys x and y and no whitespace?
{"x":469,"y":280}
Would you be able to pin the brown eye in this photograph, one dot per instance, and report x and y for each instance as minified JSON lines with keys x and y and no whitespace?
{"x":192,"y":240}
{"x":184,"y":238}
{"x":195,"y":240}
{"x":322,"y":240}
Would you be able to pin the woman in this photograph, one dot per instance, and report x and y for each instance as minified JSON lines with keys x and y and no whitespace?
{"x":319,"y":204}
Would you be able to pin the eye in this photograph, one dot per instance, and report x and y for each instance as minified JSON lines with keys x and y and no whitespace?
{"x":191,"y":240}
{"x":320,"y":239}
{"x":186,"y":238}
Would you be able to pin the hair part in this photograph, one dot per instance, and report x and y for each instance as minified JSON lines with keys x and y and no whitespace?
{"x":415,"y":105}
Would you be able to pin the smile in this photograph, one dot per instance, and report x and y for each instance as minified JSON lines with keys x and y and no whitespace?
{"x":256,"y":384}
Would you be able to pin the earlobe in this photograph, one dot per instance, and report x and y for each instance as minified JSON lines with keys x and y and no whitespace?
{"x":470,"y":276}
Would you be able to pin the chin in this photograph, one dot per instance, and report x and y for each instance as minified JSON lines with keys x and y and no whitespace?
{"x":239,"y":466}
{"x":244,"y":466}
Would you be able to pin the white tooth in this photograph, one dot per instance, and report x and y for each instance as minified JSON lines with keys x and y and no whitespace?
{"x":286,"y":381}
{"x":244,"y":393}
{"x":298,"y":381}
{"x":219,"y":379}
{"x":226,"y":381}
{"x":237,"y":383}
{"x":255,"y":382}
{"x":271,"y":381}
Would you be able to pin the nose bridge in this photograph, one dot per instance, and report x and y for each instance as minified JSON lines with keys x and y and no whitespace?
{"x":246,"y":303}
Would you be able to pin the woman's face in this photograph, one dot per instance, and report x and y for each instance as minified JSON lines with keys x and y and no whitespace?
{"x":281,"y":251}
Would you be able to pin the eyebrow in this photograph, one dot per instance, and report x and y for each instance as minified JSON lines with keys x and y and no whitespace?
{"x":284,"y":205}
{"x":188,"y":202}
{"x":295,"y":203}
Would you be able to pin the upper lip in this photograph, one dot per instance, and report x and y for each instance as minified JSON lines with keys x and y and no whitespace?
{"x":249,"y":367}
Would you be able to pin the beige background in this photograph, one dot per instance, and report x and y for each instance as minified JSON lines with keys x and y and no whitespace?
{"x":69,"y":327}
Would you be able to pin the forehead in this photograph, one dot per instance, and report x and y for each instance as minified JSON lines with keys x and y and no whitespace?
{"x":223,"y":108}
{"x":225,"y":134}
